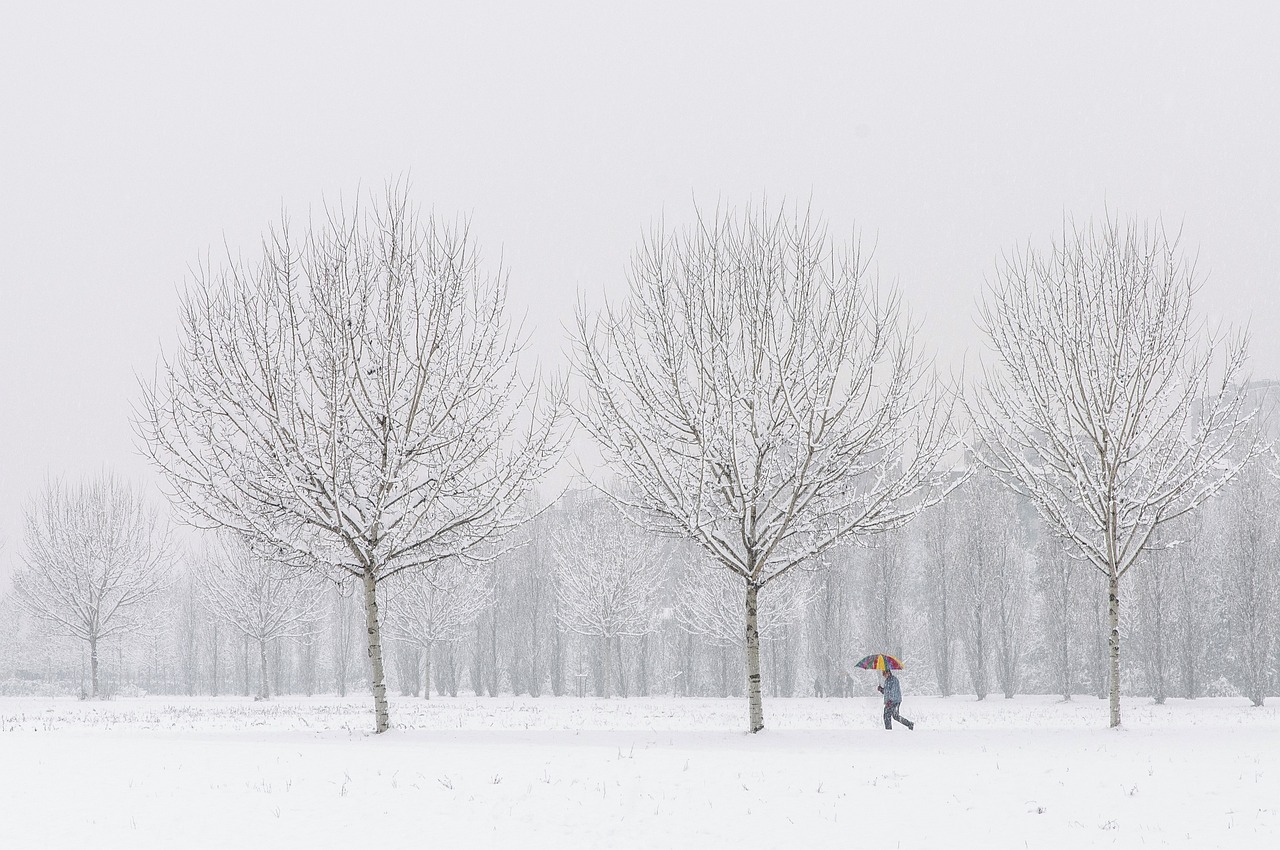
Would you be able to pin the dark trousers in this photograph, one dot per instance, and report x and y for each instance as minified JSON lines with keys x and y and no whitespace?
{"x":891,"y":714}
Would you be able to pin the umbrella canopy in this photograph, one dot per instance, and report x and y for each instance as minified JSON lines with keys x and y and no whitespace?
{"x":879,"y":661}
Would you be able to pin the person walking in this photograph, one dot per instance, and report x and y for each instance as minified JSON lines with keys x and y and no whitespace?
{"x":892,"y":699}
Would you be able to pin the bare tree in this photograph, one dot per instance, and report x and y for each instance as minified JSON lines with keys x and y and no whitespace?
{"x":262,"y":598}
{"x":608,"y":577}
{"x":1195,"y":619}
{"x":1249,"y":567}
{"x":534,"y":620}
{"x":352,"y":399}
{"x":830,"y":617}
{"x":1153,"y":620}
{"x":979,"y":549}
{"x":882,"y":600}
{"x":935,"y":532}
{"x":989,"y":582}
{"x":1102,"y":407}
{"x":344,"y":626}
{"x":761,"y":399}
{"x":1011,"y":618}
{"x":1059,"y":579}
{"x":94,"y":556}
{"x":425,"y":609}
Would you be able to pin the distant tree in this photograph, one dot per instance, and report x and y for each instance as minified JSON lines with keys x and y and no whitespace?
{"x":981,"y":543}
{"x":1154,"y":621}
{"x":608,"y":578}
{"x":1101,"y":407}
{"x":883,"y":597}
{"x":354,"y":401}
{"x":426,"y":609}
{"x":989,"y":582}
{"x":934,"y":534}
{"x":344,"y":633}
{"x":534,"y":603}
{"x":95,"y":555}
{"x":1251,"y":573}
{"x":262,"y":598}
{"x":1010,"y":579}
{"x":760,"y":398}
{"x":1197,"y":642}
{"x":830,"y":617}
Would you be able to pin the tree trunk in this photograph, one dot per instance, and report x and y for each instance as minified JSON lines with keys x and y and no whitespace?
{"x":264,"y":690}
{"x":557,"y":663}
{"x":978,"y":652}
{"x":1159,"y":647}
{"x":214,"y":685}
{"x":1113,"y":641}
{"x":605,"y":668}
{"x":426,"y":671}
{"x":309,"y":653}
{"x":381,"y":710}
{"x":1065,"y":601}
{"x":642,"y":672}
{"x":495,"y":683}
{"x":690,"y":664}
{"x":622,"y":669}
{"x":754,"y":701}
{"x":93,"y":666}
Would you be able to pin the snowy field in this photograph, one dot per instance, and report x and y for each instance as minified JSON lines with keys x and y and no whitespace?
{"x":636,"y":773}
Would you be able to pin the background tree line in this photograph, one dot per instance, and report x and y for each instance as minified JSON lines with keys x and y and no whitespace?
{"x":975,"y":597}
{"x":347,"y":419}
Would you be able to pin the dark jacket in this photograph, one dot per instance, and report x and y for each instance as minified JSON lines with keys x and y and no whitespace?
{"x":892,"y":691}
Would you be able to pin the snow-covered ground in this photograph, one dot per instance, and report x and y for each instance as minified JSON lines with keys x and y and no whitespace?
{"x":643,"y":773}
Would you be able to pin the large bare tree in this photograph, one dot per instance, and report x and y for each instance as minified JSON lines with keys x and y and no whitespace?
{"x":352,"y":398}
{"x":760,"y":397}
{"x":1102,"y":404}
{"x":95,"y":554}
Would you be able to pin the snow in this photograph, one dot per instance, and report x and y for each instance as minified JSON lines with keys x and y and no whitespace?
{"x":164,"y":772}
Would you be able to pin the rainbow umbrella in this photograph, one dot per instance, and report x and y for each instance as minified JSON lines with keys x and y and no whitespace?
{"x":879,"y":661}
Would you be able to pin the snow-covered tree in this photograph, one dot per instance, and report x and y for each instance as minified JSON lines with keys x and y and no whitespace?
{"x":1153,"y":619}
{"x":261,"y":597}
{"x":532,"y":610}
{"x":352,"y":399}
{"x":608,"y":577}
{"x":760,"y":397}
{"x":425,"y":609}
{"x":343,"y":634}
{"x":980,"y":546}
{"x":989,"y":582}
{"x":1250,"y":570}
{"x":1197,"y":612}
{"x":933,"y":538}
{"x":882,"y":598}
{"x":94,"y":554}
{"x":1101,"y":405}
{"x":830,"y":616}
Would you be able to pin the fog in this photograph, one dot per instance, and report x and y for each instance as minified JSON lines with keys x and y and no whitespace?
{"x":139,"y":139}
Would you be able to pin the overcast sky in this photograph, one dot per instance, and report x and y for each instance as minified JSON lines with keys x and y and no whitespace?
{"x":136,"y":138}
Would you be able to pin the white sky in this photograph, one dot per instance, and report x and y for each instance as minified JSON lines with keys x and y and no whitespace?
{"x":134,"y":138}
